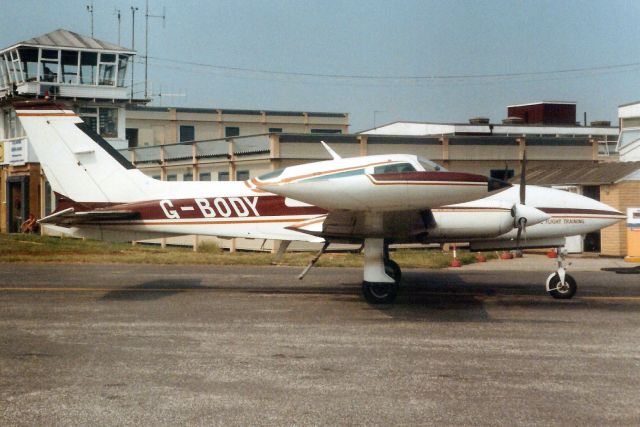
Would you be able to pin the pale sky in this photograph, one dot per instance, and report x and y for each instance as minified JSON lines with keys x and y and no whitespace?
{"x":397,"y":60}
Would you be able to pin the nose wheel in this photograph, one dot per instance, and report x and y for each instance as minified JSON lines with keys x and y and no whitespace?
{"x":560,"y":289}
{"x":561,"y":285}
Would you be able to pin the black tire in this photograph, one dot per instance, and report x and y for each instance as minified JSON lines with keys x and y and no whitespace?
{"x":380,"y":293}
{"x":393,"y":270}
{"x":565,"y":292}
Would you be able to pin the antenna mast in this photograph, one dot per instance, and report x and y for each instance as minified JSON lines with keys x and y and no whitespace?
{"x":90,"y":10}
{"x":146,"y":42}
{"x":133,"y":44}
{"x":118,"y":15}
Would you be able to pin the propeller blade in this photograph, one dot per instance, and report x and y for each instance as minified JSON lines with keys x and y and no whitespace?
{"x":523,"y":179}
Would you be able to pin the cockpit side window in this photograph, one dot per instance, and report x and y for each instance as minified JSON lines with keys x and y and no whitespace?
{"x":393,"y":168}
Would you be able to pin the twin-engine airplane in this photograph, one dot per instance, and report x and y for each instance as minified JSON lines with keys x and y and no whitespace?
{"x":375,"y":200}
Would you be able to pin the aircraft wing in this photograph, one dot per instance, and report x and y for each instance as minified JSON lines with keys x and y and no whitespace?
{"x":69,"y":217}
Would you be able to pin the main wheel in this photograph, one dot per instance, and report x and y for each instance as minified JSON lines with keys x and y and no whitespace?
{"x":393,"y":270}
{"x":564,"y":290}
{"x":380,"y":293}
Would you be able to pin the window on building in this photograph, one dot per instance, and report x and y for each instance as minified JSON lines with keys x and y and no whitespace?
{"x":231,"y":131}
{"x":89,"y":115}
{"x":49,"y":63}
{"x":29,"y":62}
{"x":108,"y":123}
{"x":122,"y":69}
{"x":326,"y":131}
{"x":205,"y":176}
{"x":187,"y":177}
{"x":275,"y":130}
{"x":103,"y":121}
{"x":242,"y":175}
{"x":223,"y":176}
{"x":156,"y":177}
{"x":107,"y":69}
{"x":132,"y":137}
{"x":172,"y":177}
{"x":502,"y":174}
{"x":69,"y":63}
{"x":88,"y":66}
{"x":187,"y":133}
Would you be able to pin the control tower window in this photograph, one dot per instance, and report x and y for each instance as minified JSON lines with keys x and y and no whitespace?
{"x":69,"y":67}
{"x":107,"y":69}
{"x":88,"y":64}
{"x":122,"y":69}
{"x":29,"y":60}
{"x":49,"y":63}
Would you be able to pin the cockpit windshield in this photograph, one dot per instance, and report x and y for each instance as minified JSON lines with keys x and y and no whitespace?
{"x":430,"y":166}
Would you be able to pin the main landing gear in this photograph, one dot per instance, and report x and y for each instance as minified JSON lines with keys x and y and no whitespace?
{"x":381,"y":274}
{"x":561,"y":285}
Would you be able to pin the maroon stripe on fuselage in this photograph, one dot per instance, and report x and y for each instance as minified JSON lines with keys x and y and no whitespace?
{"x":429,"y":176}
{"x":575,"y":211}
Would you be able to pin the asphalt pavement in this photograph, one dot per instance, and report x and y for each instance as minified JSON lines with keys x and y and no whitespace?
{"x":209,"y":345}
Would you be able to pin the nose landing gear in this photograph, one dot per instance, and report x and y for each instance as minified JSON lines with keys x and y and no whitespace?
{"x":561,"y":285}
{"x":381,"y":274}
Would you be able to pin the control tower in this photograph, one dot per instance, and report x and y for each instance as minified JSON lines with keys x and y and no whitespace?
{"x":83,"y":73}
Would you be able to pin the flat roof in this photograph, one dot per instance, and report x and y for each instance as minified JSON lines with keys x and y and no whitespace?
{"x":557,"y":173}
{"x":62,"y":38}
{"x":236,"y":111}
{"x":543,"y":102}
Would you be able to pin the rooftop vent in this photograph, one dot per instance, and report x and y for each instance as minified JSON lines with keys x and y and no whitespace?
{"x":513,"y":121}
{"x":601,"y":123}
{"x":479,"y":121}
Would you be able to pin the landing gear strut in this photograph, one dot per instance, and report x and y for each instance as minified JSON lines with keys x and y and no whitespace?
{"x":561,"y":285}
{"x":381,"y":274}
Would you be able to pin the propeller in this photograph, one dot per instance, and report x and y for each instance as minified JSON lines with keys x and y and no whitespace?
{"x":521,"y":221}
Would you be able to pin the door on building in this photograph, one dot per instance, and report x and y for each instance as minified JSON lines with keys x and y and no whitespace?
{"x":592,"y":240}
{"x":18,"y":202}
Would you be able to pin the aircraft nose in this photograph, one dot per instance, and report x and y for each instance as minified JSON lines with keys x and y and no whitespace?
{"x":494,"y":185}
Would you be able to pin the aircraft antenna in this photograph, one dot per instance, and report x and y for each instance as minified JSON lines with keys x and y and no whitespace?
{"x":333,"y":154}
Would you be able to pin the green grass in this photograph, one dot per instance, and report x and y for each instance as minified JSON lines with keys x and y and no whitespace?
{"x":35,"y":248}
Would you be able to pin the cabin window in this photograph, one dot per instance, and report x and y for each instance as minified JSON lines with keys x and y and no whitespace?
{"x":336,"y":175}
{"x":394,"y":168}
{"x":270,"y":175}
{"x":428,"y":165}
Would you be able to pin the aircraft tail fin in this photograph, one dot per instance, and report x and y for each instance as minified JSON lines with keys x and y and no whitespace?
{"x":79,"y":163}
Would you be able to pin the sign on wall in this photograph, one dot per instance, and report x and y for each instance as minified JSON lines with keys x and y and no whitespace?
{"x":14,"y":151}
